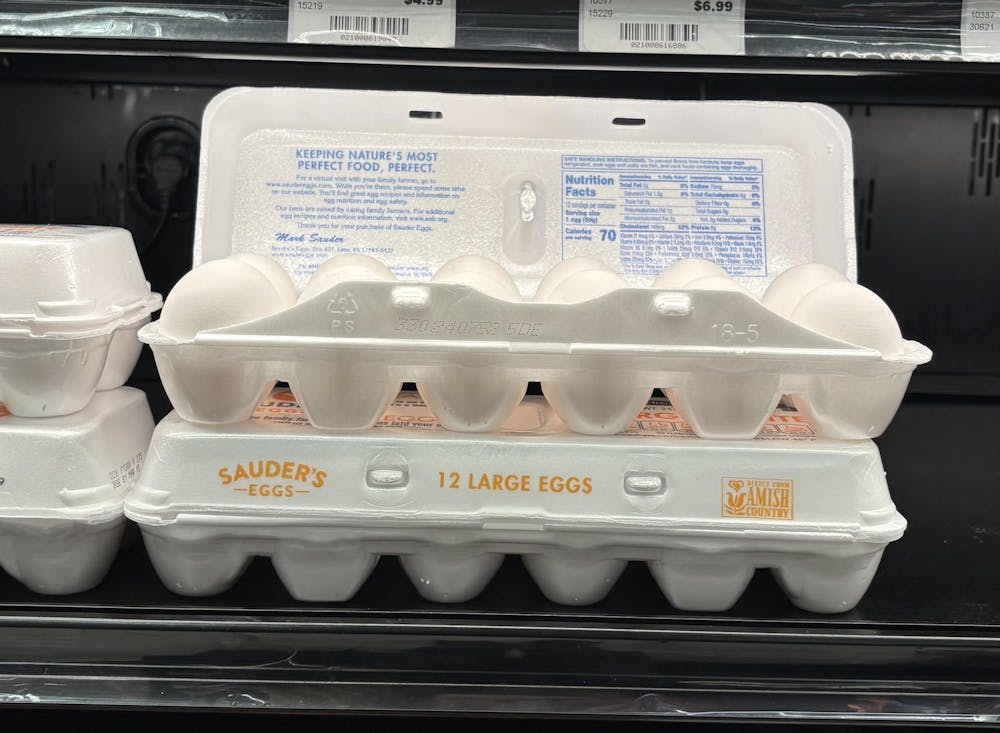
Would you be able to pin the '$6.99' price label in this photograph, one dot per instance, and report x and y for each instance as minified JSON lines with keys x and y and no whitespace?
{"x":713,"y":6}
{"x":663,"y":26}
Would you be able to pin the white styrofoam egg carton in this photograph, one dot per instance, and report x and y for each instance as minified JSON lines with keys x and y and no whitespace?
{"x":582,"y":205}
{"x":62,"y":484}
{"x":702,"y":514}
{"x":598,"y":346}
{"x":73,"y":300}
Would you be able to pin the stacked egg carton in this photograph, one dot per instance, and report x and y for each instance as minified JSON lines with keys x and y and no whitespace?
{"x":72,"y":438}
{"x":599,"y":348}
{"x":565,"y":211}
{"x":325,"y":505}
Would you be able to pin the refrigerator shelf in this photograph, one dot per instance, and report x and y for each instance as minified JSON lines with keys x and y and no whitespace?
{"x":774,"y":28}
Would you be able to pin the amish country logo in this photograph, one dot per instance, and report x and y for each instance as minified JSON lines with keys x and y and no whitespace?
{"x":735,"y":499}
{"x":758,"y":498}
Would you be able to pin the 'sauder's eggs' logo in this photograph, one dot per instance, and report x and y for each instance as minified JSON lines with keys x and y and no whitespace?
{"x":273,"y":478}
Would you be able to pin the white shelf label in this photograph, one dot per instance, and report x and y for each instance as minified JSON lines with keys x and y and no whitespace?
{"x":663,"y":26}
{"x":410,"y":23}
{"x":981,"y":30}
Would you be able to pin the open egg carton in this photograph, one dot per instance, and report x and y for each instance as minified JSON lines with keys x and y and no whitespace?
{"x":703,"y":515}
{"x":62,"y":484}
{"x":606,"y":248}
{"x":73,"y":300}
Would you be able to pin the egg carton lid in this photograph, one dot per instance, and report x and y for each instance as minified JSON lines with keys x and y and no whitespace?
{"x":408,"y":471}
{"x":416,"y":178}
{"x":76,"y":466}
{"x":70,"y":281}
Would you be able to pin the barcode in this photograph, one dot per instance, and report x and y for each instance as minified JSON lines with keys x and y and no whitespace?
{"x":663,"y":32}
{"x":376,"y":24}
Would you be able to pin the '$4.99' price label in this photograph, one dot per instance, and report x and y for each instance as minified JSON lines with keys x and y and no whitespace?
{"x":663,"y":26}
{"x":411,"y":23}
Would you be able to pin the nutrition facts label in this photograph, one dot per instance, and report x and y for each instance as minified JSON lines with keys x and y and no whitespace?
{"x":657,"y":210}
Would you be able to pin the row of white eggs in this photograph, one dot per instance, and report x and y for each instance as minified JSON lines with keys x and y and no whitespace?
{"x":247,"y":286}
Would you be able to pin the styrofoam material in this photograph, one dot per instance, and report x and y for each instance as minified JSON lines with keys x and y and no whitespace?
{"x":702,"y":514}
{"x":724,"y":358}
{"x":62,"y":483}
{"x":289,"y":173}
{"x":73,"y":301}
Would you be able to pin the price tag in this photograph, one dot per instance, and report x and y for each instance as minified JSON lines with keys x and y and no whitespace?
{"x":981,"y":30}
{"x":663,"y":26}
{"x":410,"y":23}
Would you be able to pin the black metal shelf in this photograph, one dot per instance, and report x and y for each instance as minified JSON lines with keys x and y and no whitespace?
{"x":773,"y":28}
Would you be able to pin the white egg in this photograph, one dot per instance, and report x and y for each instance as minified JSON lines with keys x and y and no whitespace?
{"x":345,"y":268}
{"x":718,"y":282}
{"x":586,"y":285}
{"x":852,"y":313}
{"x":477,"y":398}
{"x":565,"y":269}
{"x":467,"y":263}
{"x":217,"y":294}
{"x":585,"y":399}
{"x":273,"y":272}
{"x":786,"y":290}
{"x":683,"y":272}
{"x":481,"y":273}
{"x":341,"y":261}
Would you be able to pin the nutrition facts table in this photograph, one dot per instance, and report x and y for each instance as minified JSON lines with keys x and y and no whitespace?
{"x":658,"y":210}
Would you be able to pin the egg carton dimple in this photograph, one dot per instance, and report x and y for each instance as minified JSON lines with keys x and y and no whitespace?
{"x":59,"y":557}
{"x":703,"y":515}
{"x":64,"y":481}
{"x":74,"y":301}
{"x":323,"y":565}
{"x":598,"y":347}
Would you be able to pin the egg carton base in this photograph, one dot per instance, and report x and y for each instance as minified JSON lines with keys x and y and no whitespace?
{"x":595,"y":371}
{"x":691,"y":579}
{"x":59,"y":556}
{"x":722,"y":405}
{"x":53,"y":377}
{"x":123,"y":353}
